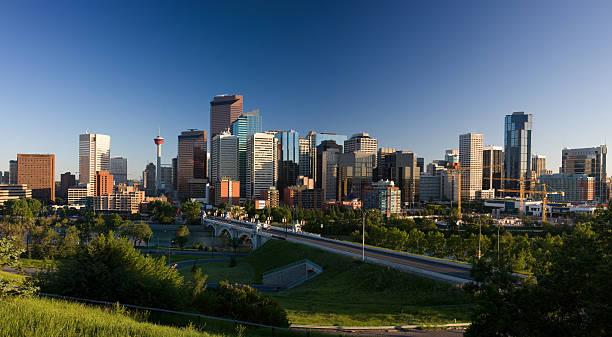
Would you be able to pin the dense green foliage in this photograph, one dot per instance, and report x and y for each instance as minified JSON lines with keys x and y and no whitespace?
{"x":162,"y":211}
{"x":241,"y":302}
{"x":191,"y":211}
{"x":570,"y":293}
{"x":181,"y":236}
{"x":110,"y":269}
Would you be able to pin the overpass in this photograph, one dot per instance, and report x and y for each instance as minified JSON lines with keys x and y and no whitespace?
{"x":434,"y":268}
{"x":251,"y":233}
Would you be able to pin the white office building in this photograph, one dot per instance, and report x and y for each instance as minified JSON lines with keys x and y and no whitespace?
{"x":470,"y":159}
{"x":224,"y":161}
{"x":262,"y":163}
{"x":94,"y":155}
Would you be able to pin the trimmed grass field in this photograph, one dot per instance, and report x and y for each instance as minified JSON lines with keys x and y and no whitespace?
{"x":10,"y":276}
{"x":350,"y":292}
{"x":221,"y":271}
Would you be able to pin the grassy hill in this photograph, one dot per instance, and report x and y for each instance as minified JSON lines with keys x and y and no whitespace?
{"x":350,"y":292}
{"x":34,"y":317}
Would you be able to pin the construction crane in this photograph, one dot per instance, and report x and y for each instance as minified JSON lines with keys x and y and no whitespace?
{"x":457,"y":166}
{"x":521,"y":190}
{"x":545,"y":194}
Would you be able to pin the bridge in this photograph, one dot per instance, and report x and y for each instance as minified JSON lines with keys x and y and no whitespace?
{"x":430,"y":267}
{"x":251,"y":233}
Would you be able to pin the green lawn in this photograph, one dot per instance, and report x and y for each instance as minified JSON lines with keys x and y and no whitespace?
{"x":220,"y":271}
{"x":39,"y":263}
{"x":350,"y":292}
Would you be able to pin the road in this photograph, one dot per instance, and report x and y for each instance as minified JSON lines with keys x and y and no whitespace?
{"x":429,"y":267}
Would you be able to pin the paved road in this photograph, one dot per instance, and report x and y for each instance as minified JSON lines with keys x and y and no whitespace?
{"x":389,"y":257}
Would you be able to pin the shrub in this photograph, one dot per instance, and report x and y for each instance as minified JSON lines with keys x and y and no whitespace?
{"x":110,"y":269}
{"x":240,"y":302}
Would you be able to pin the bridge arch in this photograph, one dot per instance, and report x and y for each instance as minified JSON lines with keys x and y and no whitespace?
{"x":246,"y":240}
{"x":226,"y":232}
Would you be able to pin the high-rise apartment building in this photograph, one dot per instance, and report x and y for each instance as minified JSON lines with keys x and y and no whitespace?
{"x":328,"y":153}
{"x":12,"y":172}
{"x":517,"y":148}
{"x":384,"y":196}
{"x":361,"y":142}
{"x":103,"y":183}
{"x":401,"y":168}
{"x":191,"y":160}
{"x":224,"y":161}
{"x":224,"y":110}
{"x":591,"y":161}
{"x":492,"y":167}
{"x":244,"y":127}
{"x":118,"y":168}
{"x":262,"y":163}
{"x":94,"y":155}
{"x":470,"y":158}
{"x":37,"y":171}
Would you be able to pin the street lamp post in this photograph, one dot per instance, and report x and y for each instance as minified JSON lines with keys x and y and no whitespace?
{"x":363,"y":235}
{"x":479,"y":235}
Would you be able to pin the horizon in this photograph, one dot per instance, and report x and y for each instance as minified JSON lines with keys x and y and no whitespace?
{"x":414,"y":76}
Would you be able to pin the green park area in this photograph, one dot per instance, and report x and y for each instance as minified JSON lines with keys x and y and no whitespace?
{"x":348,"y":292}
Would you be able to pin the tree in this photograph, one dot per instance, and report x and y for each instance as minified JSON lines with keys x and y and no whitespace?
{"x":569,"y":296}
{"x":162,"y":211}
{"x":191,"y":211}
{"x":181,"y":236}
{"x":69,"y":243}
{"x":17,"y":208}
{"x":110,"y":269}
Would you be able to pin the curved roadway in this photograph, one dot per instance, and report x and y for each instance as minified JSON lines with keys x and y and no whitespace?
{"x":430,"y":266}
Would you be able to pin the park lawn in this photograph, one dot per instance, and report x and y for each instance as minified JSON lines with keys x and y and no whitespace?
{"x":350,"y":292}
{"x":42,"y":264}
{"x":172,"y":258}
{"x":221,"y":271}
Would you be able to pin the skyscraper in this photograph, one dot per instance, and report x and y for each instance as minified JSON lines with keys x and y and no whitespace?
{"x":38,"y":172}
{"x":470,"y":158}
{"x":224,"y":110}
{"x":118,"y":168}
{"x":262,"y":163}
{"x":401,"y":168}
{"x":315,"y":139}
{"x":304,"y":167}
{"x":380,"y":160}
{"x":12,"y":172}
{"x":67,"y":180}
{"x":538,"y":164}
{"x":244,"y":127}
{"x":492,"y":167}
{"x":224,"y":161}
{"x":361,"y":142}
{"x":289,"y":159}
{"x":94,"y":155}
{"x":328,"y":153}
{"x":148,"y":179}
{"x":354,"y":173}
{"x":517,"y":148}
{"x":191,"y":160}
{"x":591,"y":161}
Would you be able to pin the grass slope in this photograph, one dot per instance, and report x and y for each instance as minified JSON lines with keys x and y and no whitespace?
{"x":34,"y":317}
{"x":350,"y":292}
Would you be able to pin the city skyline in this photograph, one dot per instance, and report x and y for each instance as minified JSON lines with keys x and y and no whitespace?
{"x":163,"y":72}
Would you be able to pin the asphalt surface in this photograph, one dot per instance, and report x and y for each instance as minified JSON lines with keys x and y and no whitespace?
{"x":387,"y":256}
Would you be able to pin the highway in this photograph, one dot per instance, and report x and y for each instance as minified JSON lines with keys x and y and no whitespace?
{"x":425,"y":266}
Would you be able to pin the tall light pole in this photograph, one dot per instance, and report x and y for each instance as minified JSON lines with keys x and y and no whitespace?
{"x":479,"y":235}
{"x":363,"y":235}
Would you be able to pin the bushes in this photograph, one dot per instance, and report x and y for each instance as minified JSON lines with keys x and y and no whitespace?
{"x":240,"y":303}
{"x":111,"y":269}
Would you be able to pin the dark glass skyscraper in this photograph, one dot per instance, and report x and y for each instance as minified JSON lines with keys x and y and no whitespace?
{"x":517,"y":148}
{"x":289,"y":159}
{"x":244,"y":127}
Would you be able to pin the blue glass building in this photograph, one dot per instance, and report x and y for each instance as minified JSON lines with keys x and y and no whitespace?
{"x":245,"y":126}
{"x":517,"y":148}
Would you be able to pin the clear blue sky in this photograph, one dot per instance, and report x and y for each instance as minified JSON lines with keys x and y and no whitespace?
{"x":414,"y":74}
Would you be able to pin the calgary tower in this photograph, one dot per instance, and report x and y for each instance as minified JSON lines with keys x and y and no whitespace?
{"x":159,"y":140}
